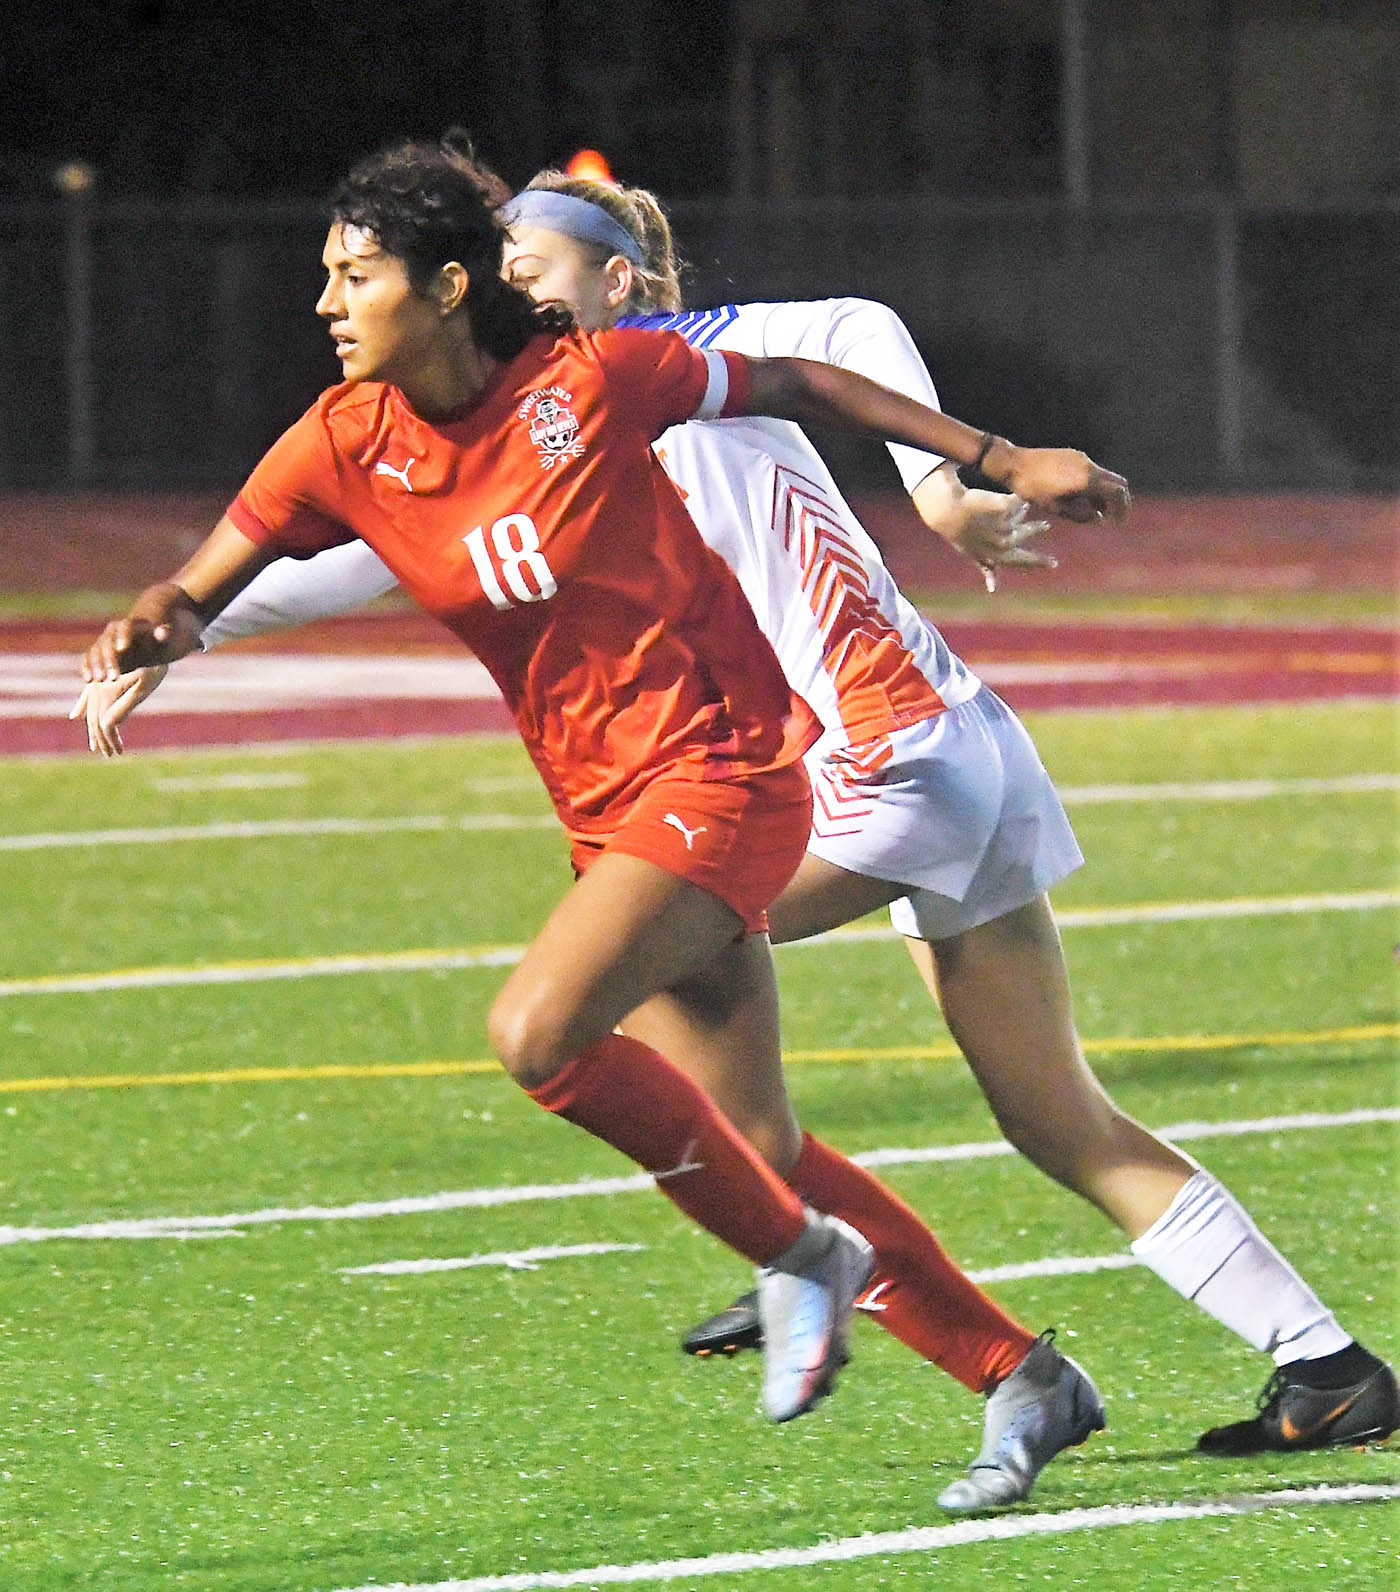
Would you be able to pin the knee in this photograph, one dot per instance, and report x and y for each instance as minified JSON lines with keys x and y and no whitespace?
{"x":530,"y":1036}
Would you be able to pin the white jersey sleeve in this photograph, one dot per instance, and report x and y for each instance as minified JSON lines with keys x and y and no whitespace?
{"x":854,"y":333}
{"x":296,"y":591}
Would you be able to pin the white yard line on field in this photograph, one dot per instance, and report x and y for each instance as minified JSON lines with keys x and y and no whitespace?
{"x":586,"y":1188}
{"x":512,"y":1260}
{"x":184,"y":784}
{"x":917,"y":1539}
{"x":1228,"y":790}
{"x":43,"y":684}
{"x":527,"y":1260}
{"x":257,"y":829}
{"x":275,"y":828}
{"x":431,"y":959}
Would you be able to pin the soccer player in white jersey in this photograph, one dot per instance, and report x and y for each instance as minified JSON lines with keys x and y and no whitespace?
{"x":930,"y":798}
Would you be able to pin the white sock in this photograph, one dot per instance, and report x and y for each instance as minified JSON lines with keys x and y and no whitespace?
{"x":1206,"y":1247}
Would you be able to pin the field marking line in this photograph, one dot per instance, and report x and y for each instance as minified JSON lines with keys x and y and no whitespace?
{"x":1228,"y":790}
{"x":915,"y":1539}
{"x":526,"y":1260}
{"x":434,"y":959}
{"x":947,"y":1050}
{"x":42,"y":685}
{"x":512,"y":1260}
{"x":275,"y":828}
{"x":591,"y":1187}
{"x":1055,"y":1266}
{"x":1240,"y":790}
{"x":184,"y":784}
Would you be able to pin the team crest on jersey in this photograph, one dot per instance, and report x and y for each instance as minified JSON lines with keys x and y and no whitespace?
{"x":553,"y":425}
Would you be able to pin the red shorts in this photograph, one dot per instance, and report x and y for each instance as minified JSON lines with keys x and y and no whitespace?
{"x":740,"y":839}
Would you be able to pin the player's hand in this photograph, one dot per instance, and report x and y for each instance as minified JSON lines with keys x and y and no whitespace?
{"x":1068,"y":482}
{"x":124,"y":645}
{"x":105,"y":703}
{"x":991,"y":529}
{"x":994,"y":530}
{"x":162,"y":626}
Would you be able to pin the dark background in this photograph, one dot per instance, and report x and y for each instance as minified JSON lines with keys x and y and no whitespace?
{"x":1167,"y":232}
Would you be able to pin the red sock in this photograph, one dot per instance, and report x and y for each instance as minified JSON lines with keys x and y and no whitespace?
{"x":916,"y":1292}
{"x":629,"y":1095}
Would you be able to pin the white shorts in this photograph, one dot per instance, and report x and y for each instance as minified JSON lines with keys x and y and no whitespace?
{"x":959,"y":807}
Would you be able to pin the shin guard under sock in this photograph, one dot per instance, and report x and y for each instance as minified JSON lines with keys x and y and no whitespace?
{"x":1207,"y":1247}
{"x":629,"y":1095}
{"x":916,"y":1292}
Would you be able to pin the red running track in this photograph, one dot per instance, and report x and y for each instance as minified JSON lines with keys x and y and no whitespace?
{"x":1040,"y":665}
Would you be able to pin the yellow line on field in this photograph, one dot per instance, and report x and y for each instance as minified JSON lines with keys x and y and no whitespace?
{"x":945,"y":1050}
{"x":347,"y":1069}
{"x":948,"y":1051}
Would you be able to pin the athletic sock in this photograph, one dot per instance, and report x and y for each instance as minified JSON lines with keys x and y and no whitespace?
{"x":1344,"y":1369}
{"x":916,"y":1292}
{"x":1206,"y":1246}
{"x":629,"y":1095}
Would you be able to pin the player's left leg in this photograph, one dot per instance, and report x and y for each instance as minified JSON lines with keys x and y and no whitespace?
{"x":703,"y":1025}
{"x":1040,"y":1402}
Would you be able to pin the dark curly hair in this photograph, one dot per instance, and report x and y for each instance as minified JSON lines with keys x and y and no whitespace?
{"x":428,"y":204}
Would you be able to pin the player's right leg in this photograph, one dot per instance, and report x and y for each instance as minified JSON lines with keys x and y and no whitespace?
{"x":1004,"y":992}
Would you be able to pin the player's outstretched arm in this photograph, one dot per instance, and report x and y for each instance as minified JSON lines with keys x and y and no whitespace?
{"x":290,"y":591}
{"x":299,"y":591}
{"x":857,"y":334}
{"x":1062,"y":480}
{"x":990,"y":529}
{"x":165,"y":621}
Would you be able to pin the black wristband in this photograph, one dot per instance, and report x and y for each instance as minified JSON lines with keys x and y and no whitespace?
{"x":989,"y":441}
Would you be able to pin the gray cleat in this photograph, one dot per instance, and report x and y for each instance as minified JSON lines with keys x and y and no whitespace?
{"x":1047,"y":1404}
{"x":805,"y":1300}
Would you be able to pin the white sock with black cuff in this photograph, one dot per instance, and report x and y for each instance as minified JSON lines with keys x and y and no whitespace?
{"x":1206,"y":1246}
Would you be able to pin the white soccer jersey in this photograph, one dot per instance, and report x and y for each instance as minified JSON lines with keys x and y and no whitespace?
{"x":761,"y":496}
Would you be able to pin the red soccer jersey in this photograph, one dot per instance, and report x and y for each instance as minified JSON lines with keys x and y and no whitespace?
{"x":540,"y":528}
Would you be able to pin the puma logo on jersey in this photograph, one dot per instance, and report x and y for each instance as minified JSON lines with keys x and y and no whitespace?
{"x":690,"y":834}
{"x":383,"y":467}
{"x":685,"y":1164}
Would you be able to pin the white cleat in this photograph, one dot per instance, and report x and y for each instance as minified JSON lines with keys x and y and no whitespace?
{"x":1047,"y":1404}
{"x":805,"y":1300}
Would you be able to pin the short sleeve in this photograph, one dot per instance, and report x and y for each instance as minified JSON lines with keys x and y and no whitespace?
{"x":285,"y":505}
{"x":859,"y":335}
{"x":667,"y":382}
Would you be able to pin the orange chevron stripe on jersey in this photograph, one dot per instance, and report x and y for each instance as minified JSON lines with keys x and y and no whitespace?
{"x":864,"y":760}
{"x":879,"y":685}
{"x":842,"y":787}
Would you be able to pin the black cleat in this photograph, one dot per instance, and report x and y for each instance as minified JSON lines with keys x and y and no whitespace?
{"x":1293,"y":1415}
{"x":735,"y":1327}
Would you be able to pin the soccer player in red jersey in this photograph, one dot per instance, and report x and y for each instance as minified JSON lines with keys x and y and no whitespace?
{"x":503,"y":472}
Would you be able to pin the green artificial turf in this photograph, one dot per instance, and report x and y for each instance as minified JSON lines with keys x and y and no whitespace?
{"x":235,"y":1413}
